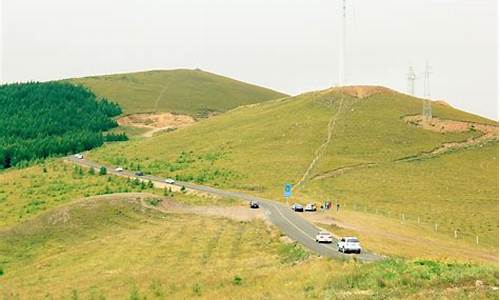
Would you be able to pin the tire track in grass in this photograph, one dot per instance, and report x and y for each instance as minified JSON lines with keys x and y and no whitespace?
{"x":212,"y":243}
{"x":236,"y":244}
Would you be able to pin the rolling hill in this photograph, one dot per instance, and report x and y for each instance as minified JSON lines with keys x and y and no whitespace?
{"x":361,"y":146}
{"x":114,"y":247}
{"x":192,"y":92}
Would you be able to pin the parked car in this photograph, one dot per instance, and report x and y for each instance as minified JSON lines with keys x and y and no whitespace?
{"x":324,"y":237}
{"x":254,"y":204}
{"x":139,"y":173}
{"x":79,"y":156}
{"x":169,"y":181}
{"x":310,"y":207}
{"x":297,"y":207}
{"x":349,"y":244}
{"x":119,"y":169}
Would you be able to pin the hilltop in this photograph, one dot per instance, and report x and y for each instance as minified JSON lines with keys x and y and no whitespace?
{"x":192,"y":92}
{"x":362,"y":151}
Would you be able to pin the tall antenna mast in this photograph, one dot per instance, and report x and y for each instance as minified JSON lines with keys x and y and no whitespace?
{"x":427,"y":108}
{"x":411,"y":76}
{"x":342,"y":46}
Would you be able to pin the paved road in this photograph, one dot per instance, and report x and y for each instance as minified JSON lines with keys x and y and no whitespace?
{"x":289,"y":222}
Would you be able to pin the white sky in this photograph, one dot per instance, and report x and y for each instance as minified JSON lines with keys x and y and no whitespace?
{"x":288,"y":45}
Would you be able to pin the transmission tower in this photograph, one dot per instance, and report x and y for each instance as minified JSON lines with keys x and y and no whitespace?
{"x":411,"y":76}
{"x":427,"y":108}
{"x":342,"y":46}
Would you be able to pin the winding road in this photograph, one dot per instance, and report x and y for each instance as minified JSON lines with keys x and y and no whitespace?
{"x":290,"y":223}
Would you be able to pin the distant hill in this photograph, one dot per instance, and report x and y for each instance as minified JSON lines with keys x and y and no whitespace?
{"x":193,"y":92}
{"x":361,"y":146}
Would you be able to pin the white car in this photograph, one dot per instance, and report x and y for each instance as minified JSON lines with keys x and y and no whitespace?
{"x":169,"y":181}
{"x":324,"y":237}
{"x":349,"y":244}
{"x":310,"y":207}
{"x":119,"y":169}
{"x":79,"y":156}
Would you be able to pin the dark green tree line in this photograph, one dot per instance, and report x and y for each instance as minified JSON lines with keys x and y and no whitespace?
{"x":39,"y":120}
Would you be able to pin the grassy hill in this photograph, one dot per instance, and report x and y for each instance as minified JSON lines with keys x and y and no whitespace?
{"x":257,"y":149}
{"x":193,"y":92}
{"x":115,"y":248}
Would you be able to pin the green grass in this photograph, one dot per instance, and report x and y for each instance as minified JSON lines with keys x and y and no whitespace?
{"x":26,"y":193}
{"x":193,"y":92}
{"x":116,"y":249}
{"x":257,"y":149}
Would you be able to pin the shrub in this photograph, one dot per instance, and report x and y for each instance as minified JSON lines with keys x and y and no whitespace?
{"x":292,"y":253}
{"x":103,"y":170}
{"x":237,"y":280}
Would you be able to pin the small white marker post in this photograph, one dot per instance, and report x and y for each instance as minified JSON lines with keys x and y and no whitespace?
{"x":436,"y":227}
{"x":456,"y":233}
{"x":477,"y":240}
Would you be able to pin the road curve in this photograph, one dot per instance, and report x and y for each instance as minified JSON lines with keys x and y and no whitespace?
{"x":289,"y":222}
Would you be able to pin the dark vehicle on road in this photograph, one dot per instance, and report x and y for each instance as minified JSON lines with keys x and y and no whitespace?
{"x":297,"y":207}
{"x":254,"y":204}
{"x":139,"y":173}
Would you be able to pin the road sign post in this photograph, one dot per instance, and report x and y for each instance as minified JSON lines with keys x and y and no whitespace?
{"x":287,"y":192}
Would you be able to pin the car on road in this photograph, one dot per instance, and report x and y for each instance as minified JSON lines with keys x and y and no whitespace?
{"x":79,"y":156}
{"x":310,"y":207}
{"x":139,"y":173}
{"x":169,"y":181}
{"x":119,"y":169}
{"x":297,"y":207}
{"x":324,"y":237}
{"x":349,"y":244}
{"x":254,"y":204}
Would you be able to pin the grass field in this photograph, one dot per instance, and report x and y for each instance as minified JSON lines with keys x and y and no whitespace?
{"x":115,"y":248}
{"x":193,"y":92}
{"x":28,"y":192}
{"x":257,"y":149}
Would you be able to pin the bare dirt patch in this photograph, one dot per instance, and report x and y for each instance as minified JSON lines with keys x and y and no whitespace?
{"x":487,"y":133}
{"x":156,"y":121}
{"x":362,"y":91}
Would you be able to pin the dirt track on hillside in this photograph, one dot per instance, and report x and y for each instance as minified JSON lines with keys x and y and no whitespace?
{"x":486,"y":133}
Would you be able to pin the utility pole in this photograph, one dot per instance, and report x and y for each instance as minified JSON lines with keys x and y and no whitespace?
{"x":342,"y":46}
{"x":411,"y":76}
{"x":427,"y":108}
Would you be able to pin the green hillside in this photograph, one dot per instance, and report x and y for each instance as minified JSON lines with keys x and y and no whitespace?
{"x":257,"y":149}
{"x":193,"y":92}
{"x":115,"y":248}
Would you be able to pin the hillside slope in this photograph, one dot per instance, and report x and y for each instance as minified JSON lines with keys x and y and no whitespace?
{"x":192,"y":92}
{"x":385,"y":162}
{"x":113,"y":247}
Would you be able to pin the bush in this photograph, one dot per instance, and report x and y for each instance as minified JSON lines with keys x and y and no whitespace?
{"x":103,"y":171}
{"x":237,"y":280}
{"x":292,"y":253}
{"x":113,"y":137}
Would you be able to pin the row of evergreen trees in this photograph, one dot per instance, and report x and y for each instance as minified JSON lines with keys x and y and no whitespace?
{"x":38,"y":120}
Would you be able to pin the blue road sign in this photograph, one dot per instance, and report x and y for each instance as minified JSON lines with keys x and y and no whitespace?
{"x":288,"y":190}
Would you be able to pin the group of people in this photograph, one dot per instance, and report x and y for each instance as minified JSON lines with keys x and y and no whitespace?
{"x":328,"y":205}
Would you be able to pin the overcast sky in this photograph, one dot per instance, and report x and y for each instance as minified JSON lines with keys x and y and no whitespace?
{"x":288,"y":45}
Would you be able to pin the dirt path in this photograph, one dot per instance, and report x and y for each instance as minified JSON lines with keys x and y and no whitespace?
{"x":487,"y":133}
{"x":322,"y":148}
{"x":341,"y":170}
